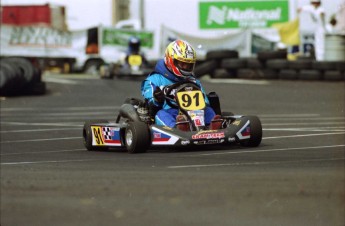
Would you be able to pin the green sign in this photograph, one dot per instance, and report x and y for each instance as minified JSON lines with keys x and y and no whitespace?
{"x":242,"y":14}
{"x":120,"y":37}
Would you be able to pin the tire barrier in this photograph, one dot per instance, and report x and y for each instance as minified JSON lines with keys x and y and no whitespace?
{"x":268,"y":65}
{"x":18,"y":76}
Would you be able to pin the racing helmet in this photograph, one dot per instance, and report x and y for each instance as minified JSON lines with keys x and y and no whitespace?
{"x":180,"y":58}
{"x":134,"y":44}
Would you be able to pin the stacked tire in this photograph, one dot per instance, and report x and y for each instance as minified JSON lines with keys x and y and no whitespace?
{"x":213,"y":64}
{"x":268,"y":65}
{"x":18,"y":76}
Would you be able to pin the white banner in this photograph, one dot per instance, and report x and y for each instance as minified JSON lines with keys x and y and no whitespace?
{"x":238,"y":40}
{"x":39,"y":41}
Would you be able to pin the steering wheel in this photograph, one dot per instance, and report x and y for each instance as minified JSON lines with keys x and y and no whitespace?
{"x":178,"y":86}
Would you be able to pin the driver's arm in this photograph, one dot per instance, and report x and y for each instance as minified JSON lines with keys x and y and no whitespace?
{"x":148,"y":89}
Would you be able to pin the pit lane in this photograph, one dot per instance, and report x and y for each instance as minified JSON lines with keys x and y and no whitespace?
{"x":295,"y":177}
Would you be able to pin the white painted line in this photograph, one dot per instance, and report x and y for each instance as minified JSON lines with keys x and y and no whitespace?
{"x":37,"y":130}
{"x":59,"y":80}
{"x":55,"y":161}
{"x":318,"y":129}
{"x":239,"y":81}
{"x":268,"y":150}
{"x":38,"y":140}
{"x":41,"y":152}
{"x":38,"y":124}
{"x":253,"y":163}
{"x":61,"y":108}
{"x":304,"y":135}
{"x":302,"y":123}
{"x":288,"y":115}
{"x":304,"y":119}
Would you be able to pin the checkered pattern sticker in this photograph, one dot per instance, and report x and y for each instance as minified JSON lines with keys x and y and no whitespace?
{"x":107,"y":133}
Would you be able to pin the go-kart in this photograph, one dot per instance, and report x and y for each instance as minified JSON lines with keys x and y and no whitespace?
{"x":135,"y":130}
{"x":134,"y":65}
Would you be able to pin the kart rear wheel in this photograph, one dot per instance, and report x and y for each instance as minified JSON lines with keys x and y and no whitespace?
{"x":255,"y":132}
{"x":137,"y":137}
{"x":87,"y":136}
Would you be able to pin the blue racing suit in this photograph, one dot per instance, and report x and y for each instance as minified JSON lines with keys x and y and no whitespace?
{"x":162,"y":77}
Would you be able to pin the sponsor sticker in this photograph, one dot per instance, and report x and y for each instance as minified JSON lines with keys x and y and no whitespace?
{"x":208,"y":135}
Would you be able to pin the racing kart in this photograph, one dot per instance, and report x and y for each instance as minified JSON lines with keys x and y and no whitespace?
{"x":135,"y":130}
{"x":134,"y":65}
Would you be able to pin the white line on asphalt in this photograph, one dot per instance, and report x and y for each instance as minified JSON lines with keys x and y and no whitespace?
{"x":38,"y":140}
{"x":253,"y":163}
{"x":269,"y":150}
{"x":237,"y":81}
{"x":304,"y":135}
{"x":3,"y":109}
{"x":38,"y":124}
{"x":60,"y":80}
{"x":303,"y":118}
{"x":37,"y":130}
{"x":41,"y":152}
{"x":192,"y":166}
{"x":302,"y":123}
{"x":288,"y":115}
{"x":318,"y":129}
{"x":71,"y":138}
{"x":55,"y":161}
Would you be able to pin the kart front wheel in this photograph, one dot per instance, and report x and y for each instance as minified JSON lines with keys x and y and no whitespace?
{"x":255,"y":132}
{"x":137,"y":137}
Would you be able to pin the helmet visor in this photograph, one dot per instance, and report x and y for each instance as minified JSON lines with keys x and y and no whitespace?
{"x":183,"y":66}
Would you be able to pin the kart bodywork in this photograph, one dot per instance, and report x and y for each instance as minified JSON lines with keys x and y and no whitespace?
{"x":137,"y":133}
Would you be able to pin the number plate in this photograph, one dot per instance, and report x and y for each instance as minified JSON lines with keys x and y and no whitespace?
{"x":191,"y":100}
{"x":97,"y":136}
{"x":134,"y":60}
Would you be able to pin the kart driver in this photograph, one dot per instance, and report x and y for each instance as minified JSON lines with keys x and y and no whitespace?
{"x":134,"y":49}
{"x":177,"y":65}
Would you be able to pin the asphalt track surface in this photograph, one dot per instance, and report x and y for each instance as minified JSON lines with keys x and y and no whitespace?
{"x":295,"y":177}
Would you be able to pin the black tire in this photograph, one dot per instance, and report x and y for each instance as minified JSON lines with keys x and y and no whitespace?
{"x":310,"y":75}
{"x":269,"y":55}
{"x":38,"y":88}
{"x":205,"y":68}
{"x":254,"y":63}
{"x":246,"y":74}
{"x":341,"y":66}
{"x":221,"y":54}
{"x":87,"y":136}
{"x":301,"y":64}
{"x":25,"y":66}
{"x":268,"y":73}
{"x":137,"y":137}
{"x":255,"y":132}
{"x":277,"y":64}
{"x":324,"y":65}
{"x":223,"y":73}
{"x":333,"y":76}
{"x":7,"y":79}
{"x":288,"y":74}
{"x":234,"y":63}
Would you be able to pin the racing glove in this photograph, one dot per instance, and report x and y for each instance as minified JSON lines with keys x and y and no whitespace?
{"x":158,"y":94}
